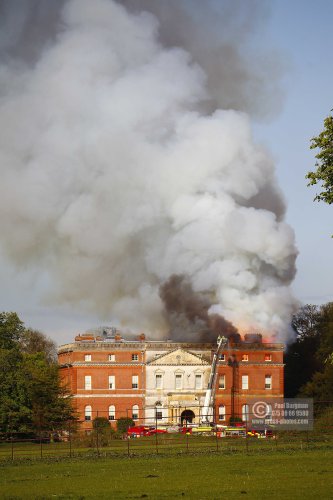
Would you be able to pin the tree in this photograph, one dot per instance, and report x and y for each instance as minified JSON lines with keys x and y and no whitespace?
{"x":309,"y":360}
{"x":124,"y":423}
{"x":102,"y":431}
{"x":324,"y":163}
{"x":101,"y":423}
{"x":11,"y":330}
{"x":49,"y":401}
{"x":301,"y":357}
{"x":320,"y":387}
{"x":326,"y":330}
{"x":305,"y":322}
{"x":31,"y":394}
{"x":15,"y":412}
{"x":33,"y":342}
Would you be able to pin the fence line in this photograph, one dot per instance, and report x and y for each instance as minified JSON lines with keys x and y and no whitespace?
{"x":72,"y":439}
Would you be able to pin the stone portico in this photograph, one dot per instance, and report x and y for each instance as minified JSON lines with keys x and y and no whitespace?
{"x":176,"y":383}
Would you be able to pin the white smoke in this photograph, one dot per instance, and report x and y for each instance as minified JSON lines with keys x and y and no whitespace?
{"x":112,"y":180}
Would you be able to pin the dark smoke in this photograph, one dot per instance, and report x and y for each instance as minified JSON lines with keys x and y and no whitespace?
{"x":186,"y":312}
{"x":27,"y":27}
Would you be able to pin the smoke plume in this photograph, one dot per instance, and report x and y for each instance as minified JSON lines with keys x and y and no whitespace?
{"x":219,"y":36}
{"x":187,"y":312}
{"x":120,"y":175}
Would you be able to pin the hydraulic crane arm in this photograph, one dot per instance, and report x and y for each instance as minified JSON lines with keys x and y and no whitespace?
{"x":210,"y":393}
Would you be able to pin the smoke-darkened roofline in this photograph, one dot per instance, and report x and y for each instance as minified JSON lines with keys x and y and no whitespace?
{"x":109,"y":344}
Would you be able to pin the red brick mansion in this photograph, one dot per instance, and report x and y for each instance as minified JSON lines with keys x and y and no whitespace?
{"x":147,"y":379}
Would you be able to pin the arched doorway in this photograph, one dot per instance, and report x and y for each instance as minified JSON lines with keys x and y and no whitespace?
{"x":187,"y":417}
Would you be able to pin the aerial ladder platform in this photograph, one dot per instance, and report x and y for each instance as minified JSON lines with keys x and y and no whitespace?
{"x":208,"y":408}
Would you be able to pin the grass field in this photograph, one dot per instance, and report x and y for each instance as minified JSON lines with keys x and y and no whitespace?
{"x":269,"y":473}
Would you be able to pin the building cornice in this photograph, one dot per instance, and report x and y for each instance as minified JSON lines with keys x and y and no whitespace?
{"x":84,"y":346}
{"x":109,"y":396}
{"x":111,"y":364}
{"x":91,"y":364}
{"x":243,"y":364}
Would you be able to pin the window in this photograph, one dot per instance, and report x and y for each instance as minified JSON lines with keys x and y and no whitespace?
{"x":112,"y":357}
{"x":135,"y":381}
{"x":268,"y":357}
{"x":87,"y":412}
{"x":87,"y":382}
{"x":135,"y":357}
{"x":198,"y":381}
{"x":245,"y":413}
{"x":112,"y":412}
{"x":135,"y":412}
{"x":245,"y":357}
{"x":112,"y":382}
{"x":221,"y":412}
{"x":268,"y":381}
{"x":159,"y":415}
{"x":222,"y":382}
{"x":158,"y":381}
{"x":245,"y":382}
{"x":179,"y":381}
{"x":87,"y":357}
{"x":222,"y":357}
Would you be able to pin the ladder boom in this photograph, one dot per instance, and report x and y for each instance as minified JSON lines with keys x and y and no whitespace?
{"x":211,"y":389}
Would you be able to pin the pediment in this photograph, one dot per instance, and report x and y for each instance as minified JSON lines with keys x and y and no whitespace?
{"x":179,"y":357}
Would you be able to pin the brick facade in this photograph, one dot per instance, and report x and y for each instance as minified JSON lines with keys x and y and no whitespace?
{"x":114,"y":377}
{"x":259,"y":366}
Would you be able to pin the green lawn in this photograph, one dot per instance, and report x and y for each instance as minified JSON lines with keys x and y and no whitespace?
{"x":287,"y":474}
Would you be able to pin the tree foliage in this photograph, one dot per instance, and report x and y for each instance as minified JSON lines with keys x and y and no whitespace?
{"x":300,"y":360}
{"x":31,"y":395}
{"x":11,"y":330}
{"x":305,"y":322}
{"x":320,"y":387}
{"x":33,"y":342}
{"x":101,"y":423}
{"x":325,"y":327}
{"x":324,"y":164}
{"x":124,"y":423}
{"x":309,"y":360}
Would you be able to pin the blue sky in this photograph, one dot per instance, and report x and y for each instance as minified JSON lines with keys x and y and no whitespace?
{"x":303,"y":31}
